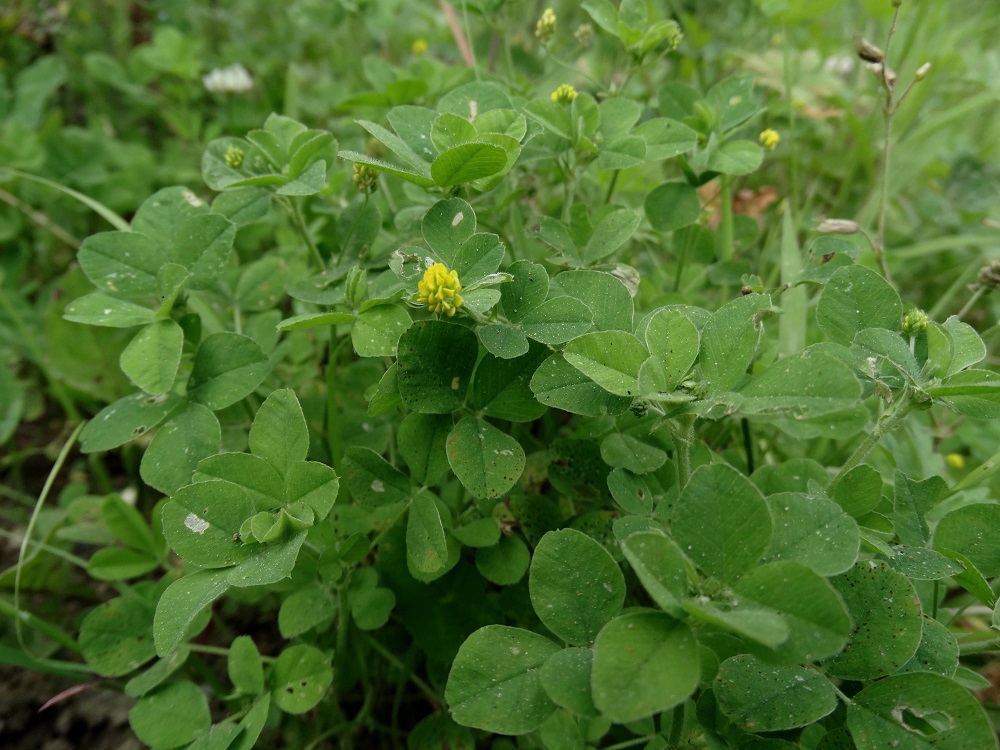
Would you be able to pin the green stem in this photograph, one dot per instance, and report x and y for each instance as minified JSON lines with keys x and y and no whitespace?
{"x":22,"y":553}
{"x":978,"y":475}
{"x":97,"y":207}
{"x":883,"y":427}
{"x":682,"y":432}
{"x":980,"y":291}
{"x":334,"y":436}
{"x":630,"y":743}
{"x":295,"y":211}
{"x":39,"y":218}
{"x":726,"y":219}
{"x":611,"y":186}
{"x":677,"y":726}
{"x":468,"y":37}
{"x":426,"y":689}
{"x":793,"y":162}
{"x":34,"y":622}
{"x":890,"y":110}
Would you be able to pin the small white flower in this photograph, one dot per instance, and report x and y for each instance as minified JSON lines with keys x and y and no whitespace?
{"x":233,"y":79}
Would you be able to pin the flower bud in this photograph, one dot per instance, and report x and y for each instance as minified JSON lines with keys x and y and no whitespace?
{"x":545,"y":29}
{"x":564,"y":94}
{"x":922,"y":71}
{"x":419,"y":46}
{"x":838,"y":226}
{"x":955,"y":461}
{"x":914,"y":322}
{"x":356,"y":286}
{"x":770,"y":139}
{"x":365,"y":178}
{"x":989,"y":275}
{"x":868,"y":51}
{"x":234,"y":157}
{"x":584,"y":34}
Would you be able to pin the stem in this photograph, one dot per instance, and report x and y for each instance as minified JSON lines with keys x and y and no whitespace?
{"x":726,"y":219}
{"x":39,"y":218}
{"x":978,"y":475}
{"x":883,"y":427}
{"x":747,"y":443}
{"x":611,"y":186}
{"x":97,"y":207}
{"x":334,"y":438}
{"x":677,"y":725}
{"x":890,"y":110}
{"x":793,"y":168}
{"x":21,"y":616}
{"x":426,"y":689}
{"x":630,"y":743}
{"x":295,"y":211}
{"x":980,"y":290}
{"x":682,"y":432}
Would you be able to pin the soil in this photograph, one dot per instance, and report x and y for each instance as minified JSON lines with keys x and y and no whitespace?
{"x":95,"y":718}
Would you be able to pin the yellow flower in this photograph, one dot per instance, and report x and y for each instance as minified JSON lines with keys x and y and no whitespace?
{"x":770,"y":139}
{"x":564,"y":94}
{"x":439,"y":289}
{"x":419,"y":46}
{"x":365,"y":178}
{"x":545,"y":29}
{"x":955,"y":460}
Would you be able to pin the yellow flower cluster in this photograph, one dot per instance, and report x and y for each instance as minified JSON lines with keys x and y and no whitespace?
{"x":439,"y":290}
{"x":564,"y":94}
{"x":955,"y":460}
{"x":545,"y":29}
{"x":770,"y":139}
{"x":419,"y":46}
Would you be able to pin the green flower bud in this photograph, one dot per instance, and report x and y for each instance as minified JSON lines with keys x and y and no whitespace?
{"x":365,"y":178}
{"x":356,"y":286}
{"x":234,"y":157}
{"x":545,"y":29}
{"x":914,"y":322}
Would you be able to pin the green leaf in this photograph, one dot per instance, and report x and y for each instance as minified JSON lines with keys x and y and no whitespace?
{"x":722,"y":522}
{"x":117,"y":564}
{"x":621,"y":450}
{"x":126,"y":419}
{"x":501,"y":386}
{"x":971,"y":530}
{"x":759,"y":697}
{"x":279,"y":433}
{"x":437,"y":732}
{"x":604,"y":14}
{"x":494,"y":683}
{"x":607,"y":297}
{"x":661,"y":568}
{"x":673,"y":342}
{"x":99,"y":309}
{"x":300,"y":677}
{"x":967,"y":348}
{"x":621,"y":152}
{"x":505,"y":562}
{"x":736,"y":158}
{"x":410,"y":175}
{"x":923,"y":564}
{"x":503,"y":341}
{"x":975,"y":393}
{"x":151,"y":359}
{"x":303,"y":610}
{"x":558,"y":384}
{"x":566,"y":679}
{"x":314,"y":484}
{"x":129,"y":527}
{"x":610,"y":233}
{"x":729,"y":340}
{"x":377,"y":330}
{"x":200,"y":521}
{"x":267,"y":563}
{"x":371,"y":608}
{"x":644,"y":663}
{"x":181,"y":603}
{"x":552,"y":116}
{"x":450,"y":130}
{"x":227,"y":367}
{"x":421,"y":441}
{"x":202,"y":244}
{"x":171,"y":716}
{"x":633,"y":493}
{"x":576,"y":586}
{"x":468,"y":162}
{"x":856,"y":298}
{"x":859,"y":491}
{"x":813,"y":531}
{"x":255,"y":476}
{"x":665,"y":138}
{"x":766,"y":628}
{"x":157,"y":674}
{"x":435,"y":364}
{"x":937,"y":652}
{"x":446,"y":226}
{"x":671,"y":206}
{"x":314,"y":320}
{"x":913,"y":500}
{"x":525,"y":291}
{"x":803,"y":386}
{"x":818,"y":624}
{"x":610,"y":358}
{"x":173,"y":454}
{"x":917,"y":711}
{"x":733,"y":100}
{"x":487,"y":461}
{"x":887,"y":625}
{"x":246,"y":671}
{"x":115,"y":636}
{"x":122,"y":263}
{"x":426,"y":544}
{"x":372,"y":480}
{"x":557,"y":320}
